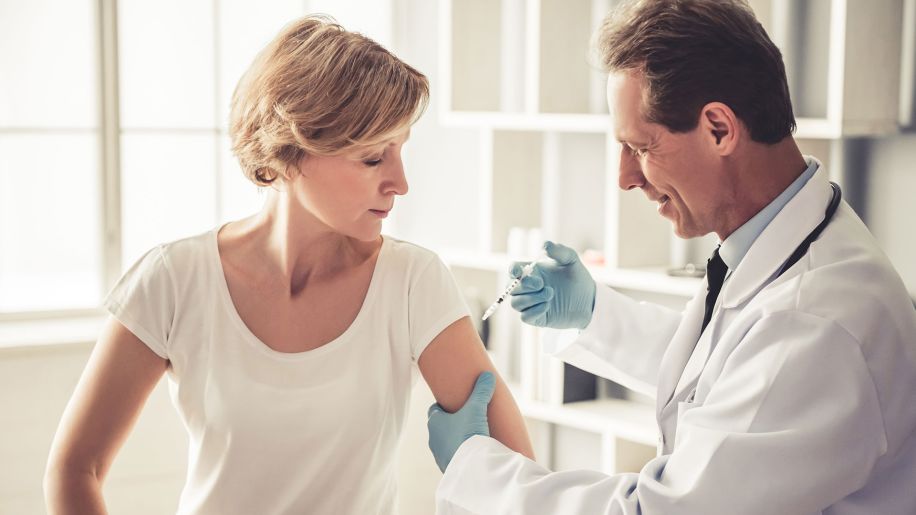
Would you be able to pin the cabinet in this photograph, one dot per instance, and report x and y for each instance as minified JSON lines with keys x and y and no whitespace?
{"x":521,"y":73}
{"x":845,"y":81}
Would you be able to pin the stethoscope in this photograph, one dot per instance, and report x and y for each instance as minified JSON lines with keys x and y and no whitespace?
{"x":802,"y":249}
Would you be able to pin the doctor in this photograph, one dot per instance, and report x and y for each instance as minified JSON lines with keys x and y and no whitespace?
{"x":788,"y":384}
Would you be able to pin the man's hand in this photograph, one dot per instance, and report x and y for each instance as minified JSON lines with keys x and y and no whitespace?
{"x":447,"y":431}
{"x":560,"y":294}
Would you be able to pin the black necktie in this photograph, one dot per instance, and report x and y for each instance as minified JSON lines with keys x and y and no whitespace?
{"x":715,"y":276}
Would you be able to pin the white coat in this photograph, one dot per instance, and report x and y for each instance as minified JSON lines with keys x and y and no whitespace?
{"x":799,"y":399}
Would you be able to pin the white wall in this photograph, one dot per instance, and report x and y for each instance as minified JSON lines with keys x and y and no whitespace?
{"x":35,"y":384}
{"x":889,"y":187}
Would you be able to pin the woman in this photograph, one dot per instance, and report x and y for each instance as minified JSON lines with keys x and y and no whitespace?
{"x":290,"y":338}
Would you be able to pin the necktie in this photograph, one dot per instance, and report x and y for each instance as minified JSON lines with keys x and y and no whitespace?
{"x":715,"y":276}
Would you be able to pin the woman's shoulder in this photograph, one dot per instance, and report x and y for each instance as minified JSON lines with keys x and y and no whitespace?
{"x":401,"y":252}
{"x":188,"y":247}
{"x":181,"y":256}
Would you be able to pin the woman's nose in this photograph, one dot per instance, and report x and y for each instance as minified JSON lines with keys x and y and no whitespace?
{"x":397,"y":182}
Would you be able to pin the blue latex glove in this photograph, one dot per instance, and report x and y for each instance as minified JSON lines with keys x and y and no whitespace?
{"x":558,"y":294}
{"x":447,"y":431}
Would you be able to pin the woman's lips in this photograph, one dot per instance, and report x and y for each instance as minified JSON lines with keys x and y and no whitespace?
{"x":379,"y":213}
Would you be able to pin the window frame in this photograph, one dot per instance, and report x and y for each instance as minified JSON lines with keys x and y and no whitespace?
{"x":108,"y":172}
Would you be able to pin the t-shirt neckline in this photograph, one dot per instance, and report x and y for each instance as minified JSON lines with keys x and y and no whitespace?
{"x":252,"y":339}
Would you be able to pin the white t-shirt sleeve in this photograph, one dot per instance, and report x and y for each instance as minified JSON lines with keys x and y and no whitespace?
{"x":143,"y":301}
{"x":434,"y":302}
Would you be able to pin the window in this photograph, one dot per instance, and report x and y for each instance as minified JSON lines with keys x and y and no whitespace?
{"x":50,"y":217}
{"x":64,"y":237}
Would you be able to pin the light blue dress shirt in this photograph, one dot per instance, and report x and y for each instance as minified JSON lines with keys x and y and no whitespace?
{"x":735,"y":247}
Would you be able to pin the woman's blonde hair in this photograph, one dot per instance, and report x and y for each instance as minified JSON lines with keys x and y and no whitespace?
{"x":318,"y":89}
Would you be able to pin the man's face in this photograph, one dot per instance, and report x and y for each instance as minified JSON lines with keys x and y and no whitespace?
{"x":679,"y":171}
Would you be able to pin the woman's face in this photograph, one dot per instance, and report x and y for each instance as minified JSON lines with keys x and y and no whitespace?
{"x":352,"y":193}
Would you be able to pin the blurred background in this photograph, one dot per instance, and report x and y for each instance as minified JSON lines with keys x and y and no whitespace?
{"x":113,"y":139}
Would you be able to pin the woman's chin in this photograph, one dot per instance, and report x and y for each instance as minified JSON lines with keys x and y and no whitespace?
{"x":366,"y":234}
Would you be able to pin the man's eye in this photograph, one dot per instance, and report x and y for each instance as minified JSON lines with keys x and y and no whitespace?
{"x":638,"y":152}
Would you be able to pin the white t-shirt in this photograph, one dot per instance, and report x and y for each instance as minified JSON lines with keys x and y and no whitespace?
{"x":272,"y":432}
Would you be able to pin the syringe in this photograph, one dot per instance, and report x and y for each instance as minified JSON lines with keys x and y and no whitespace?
{"x":526,"y":271}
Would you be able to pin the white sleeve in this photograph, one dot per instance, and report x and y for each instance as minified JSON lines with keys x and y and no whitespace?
{"x":434,"y":302}
{"x":143,"y":301}
{"x":624,"y":341}
{"x":792,"y":425}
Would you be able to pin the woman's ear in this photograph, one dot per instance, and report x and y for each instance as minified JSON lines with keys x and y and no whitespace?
{"x":301,"y":168}
{"x":719,"y":122}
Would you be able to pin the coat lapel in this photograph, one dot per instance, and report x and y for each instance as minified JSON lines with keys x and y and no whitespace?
{"x":771,"y":249}
{"x":679,"y":350}
{"x":778,"y":240}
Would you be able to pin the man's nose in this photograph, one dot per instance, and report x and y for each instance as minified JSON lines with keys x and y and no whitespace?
{"x":630,"y":174}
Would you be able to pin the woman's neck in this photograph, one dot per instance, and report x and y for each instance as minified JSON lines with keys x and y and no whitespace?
{"x":294,"y":247}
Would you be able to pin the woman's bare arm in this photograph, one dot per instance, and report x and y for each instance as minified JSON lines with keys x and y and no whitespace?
{"x":450,"y":365}
{"x":120,"y":374}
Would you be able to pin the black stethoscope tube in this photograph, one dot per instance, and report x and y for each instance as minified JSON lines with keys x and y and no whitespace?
{"x":803,"y":247}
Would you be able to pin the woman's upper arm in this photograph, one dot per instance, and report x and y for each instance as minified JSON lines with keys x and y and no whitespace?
{"x":450,"y":365}
{"x":117,"y":380}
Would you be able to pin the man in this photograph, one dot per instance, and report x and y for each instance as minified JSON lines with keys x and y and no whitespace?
{"x":786,"y":386}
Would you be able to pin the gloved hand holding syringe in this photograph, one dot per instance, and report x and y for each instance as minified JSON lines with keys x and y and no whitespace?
{"x":526,"y":271}
{"x":556,"y":292}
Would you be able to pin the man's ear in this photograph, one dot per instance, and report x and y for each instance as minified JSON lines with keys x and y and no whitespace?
{"x":719,"y":123}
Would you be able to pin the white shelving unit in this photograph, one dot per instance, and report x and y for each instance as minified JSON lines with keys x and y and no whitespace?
{"x":520,"y":73}
{"x":649,"y":279}
{"x":626,"y":430}
{"x":845,"y":83}
{"x":835,"y":64}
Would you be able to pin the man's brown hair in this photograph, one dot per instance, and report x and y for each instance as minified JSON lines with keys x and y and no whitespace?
{"x":693,"y":52}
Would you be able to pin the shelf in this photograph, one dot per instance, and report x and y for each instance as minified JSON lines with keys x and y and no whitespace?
{"x":599,"y":123}
{"x":475,"y":260}
{"x":844,"y":81}
{"x":824,"y":129}
{"x":807,"y":128}
{"x":535,"y":54}
{"x":629,"y":420}
{"x":652,"y":279}
{"x":816,"y":128}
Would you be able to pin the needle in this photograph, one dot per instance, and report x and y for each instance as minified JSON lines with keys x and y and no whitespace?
{"x":526,"y":271}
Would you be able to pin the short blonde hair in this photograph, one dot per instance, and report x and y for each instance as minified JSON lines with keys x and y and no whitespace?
{"x":318,"y":89}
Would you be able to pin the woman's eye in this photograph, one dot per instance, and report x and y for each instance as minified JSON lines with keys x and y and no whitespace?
{"x":372,"y":162}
